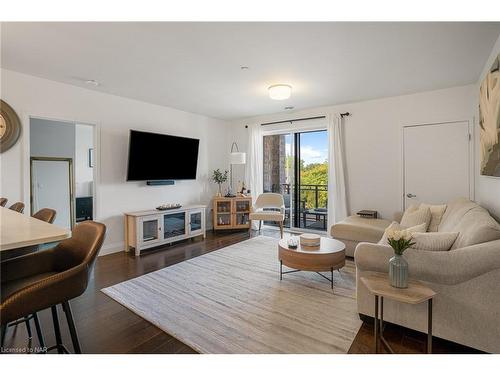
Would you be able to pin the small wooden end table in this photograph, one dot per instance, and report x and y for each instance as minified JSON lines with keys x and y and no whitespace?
{"x":378,"y":285}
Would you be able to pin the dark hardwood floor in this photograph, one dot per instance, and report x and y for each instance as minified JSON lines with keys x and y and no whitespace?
{"x":104,"y":326}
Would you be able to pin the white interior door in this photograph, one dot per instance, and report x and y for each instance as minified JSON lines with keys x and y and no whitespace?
{"x":51,"y":188}
{"x":436,"y":162}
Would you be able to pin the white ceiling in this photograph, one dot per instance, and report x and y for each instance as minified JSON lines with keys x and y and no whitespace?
{"x":196,"y":66}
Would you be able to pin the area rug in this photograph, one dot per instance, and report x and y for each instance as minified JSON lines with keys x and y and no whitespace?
{"x":232,"y":301}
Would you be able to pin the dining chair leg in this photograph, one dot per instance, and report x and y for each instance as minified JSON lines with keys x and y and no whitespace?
{"x":72,"y":328}
{"x":260,"y":224}
{"x":281,"y":229}
{"x":57,"y":329}
{"x":4,"y":331}
{"x":28,"y":326}
{"x":39,"y":332}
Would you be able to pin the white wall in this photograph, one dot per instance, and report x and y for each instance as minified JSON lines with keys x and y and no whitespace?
{"x":487,"y":188}
{"x":373,"y":140}
{"x":52,"y":138}
{"x":84,"y":140}
{"x":31,"y":96}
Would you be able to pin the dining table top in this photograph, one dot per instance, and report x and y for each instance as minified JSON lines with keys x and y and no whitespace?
{"x":19,"y":230}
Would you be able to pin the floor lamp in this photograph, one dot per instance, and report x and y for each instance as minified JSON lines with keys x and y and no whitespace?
{"x":235,"y":157}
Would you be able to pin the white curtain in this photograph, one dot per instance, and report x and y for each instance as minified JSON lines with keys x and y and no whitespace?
{"x":337,"y":199}
{"x":255,"y":161}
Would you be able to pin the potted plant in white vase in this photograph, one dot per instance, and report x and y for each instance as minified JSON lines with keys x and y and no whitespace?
{"x":219,"y":178}
{"x":399,"y":240}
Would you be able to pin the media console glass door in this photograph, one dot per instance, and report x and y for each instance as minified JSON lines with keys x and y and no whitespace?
{"x":196,"y":222}
{"x":149,"y":230}
{"x":174,"y":225}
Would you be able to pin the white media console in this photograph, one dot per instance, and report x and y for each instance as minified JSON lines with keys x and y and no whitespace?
{"x":146,"y":229}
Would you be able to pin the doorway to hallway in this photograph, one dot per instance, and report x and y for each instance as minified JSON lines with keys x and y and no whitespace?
{"x":62,"y":172}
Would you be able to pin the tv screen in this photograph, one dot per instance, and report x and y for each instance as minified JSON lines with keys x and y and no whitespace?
{"x":153,"y":156}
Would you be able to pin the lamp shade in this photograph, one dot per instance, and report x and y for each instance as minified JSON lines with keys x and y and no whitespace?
{"x":237,"y":158}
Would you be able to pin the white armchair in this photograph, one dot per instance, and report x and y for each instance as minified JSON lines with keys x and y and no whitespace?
{"x":269,"y":207}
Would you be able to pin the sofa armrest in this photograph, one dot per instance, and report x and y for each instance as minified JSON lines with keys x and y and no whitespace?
{"x":440,"y":267}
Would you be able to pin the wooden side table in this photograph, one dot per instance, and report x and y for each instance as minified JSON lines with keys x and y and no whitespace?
{"x":378,"y":285}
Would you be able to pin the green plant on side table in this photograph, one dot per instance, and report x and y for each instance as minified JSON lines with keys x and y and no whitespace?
{"x":219,"y":178}
{"x":399,"y":240}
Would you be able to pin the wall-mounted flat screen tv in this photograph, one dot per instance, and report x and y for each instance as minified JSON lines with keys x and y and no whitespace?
{"x":153,"y":156}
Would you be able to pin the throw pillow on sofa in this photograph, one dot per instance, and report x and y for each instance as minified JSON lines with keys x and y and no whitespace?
{"x":396,"y":226}
{"x":437,"y":212}
{"x":415,"y":215}
{"x":434,"y":241}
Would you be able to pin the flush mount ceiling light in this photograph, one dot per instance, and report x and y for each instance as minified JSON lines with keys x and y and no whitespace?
{"x":280,"y":92}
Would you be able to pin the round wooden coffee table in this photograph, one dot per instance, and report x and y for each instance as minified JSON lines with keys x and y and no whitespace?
{"x":327,"y":257}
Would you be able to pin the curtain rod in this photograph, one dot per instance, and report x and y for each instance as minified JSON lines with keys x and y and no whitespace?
{"x":299,"y":119}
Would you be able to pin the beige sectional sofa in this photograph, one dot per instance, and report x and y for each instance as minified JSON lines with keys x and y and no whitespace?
{"x":355,"y":229}
{"x":466,"y":279}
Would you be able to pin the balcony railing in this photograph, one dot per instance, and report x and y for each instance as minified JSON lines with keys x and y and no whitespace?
{"x":318,"y":192}
{"x":312,"y":210}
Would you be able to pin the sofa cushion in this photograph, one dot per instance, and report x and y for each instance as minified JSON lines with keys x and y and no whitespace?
{"x":454,"y":212}
{"x":267,"y":215}
{"x":437,"y":212}
{"x":434,"y":241}
{"x":476,"y":226}
{"x":359,"y":229}
{"x":415,"y":215}
{"x":396,"y":226}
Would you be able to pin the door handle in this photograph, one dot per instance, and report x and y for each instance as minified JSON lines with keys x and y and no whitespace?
{"x":410,"y":195}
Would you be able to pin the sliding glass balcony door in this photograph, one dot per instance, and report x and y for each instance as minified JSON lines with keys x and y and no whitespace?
{"x":311,"y":180}
{"x":296,"y":166}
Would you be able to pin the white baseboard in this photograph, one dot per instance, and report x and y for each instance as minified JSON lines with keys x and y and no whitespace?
{"x":112,"y":248}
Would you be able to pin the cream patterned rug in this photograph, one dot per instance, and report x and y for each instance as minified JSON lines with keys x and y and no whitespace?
{"x":232,"y":301}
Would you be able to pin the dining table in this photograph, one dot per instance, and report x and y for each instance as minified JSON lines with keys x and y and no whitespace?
{"x":19,"y":230}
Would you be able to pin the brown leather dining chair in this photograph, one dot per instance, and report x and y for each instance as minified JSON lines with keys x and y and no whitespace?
{"x":48,"y":215}
{"x":3,"y":202}
{"x":45,"y":214}
{"x":18,"y":206}
{"x":37,"y":281}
